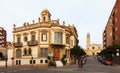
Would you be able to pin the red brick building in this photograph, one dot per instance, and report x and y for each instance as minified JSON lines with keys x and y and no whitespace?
{"x":2,"y":37}
{"x":116,"y":23}
{"x":111,"y":34}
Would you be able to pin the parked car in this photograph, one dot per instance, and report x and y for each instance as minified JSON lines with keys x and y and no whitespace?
{"x":104,"y":61}
{"x":108,"y":62}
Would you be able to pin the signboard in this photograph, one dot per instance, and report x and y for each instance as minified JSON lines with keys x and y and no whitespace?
{"x":50,"y":54}
{"x":58,"y":63}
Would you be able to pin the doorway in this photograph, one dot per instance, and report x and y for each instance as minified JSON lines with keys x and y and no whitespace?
{"x":57,"y":54}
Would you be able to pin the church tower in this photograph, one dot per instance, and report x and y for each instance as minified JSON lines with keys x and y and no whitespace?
{"x":45,"y":14}
{"x":88,"y":40}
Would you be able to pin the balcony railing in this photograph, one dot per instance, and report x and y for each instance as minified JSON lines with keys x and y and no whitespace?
{"x":32,"y":43}
{"x":18,"y":44}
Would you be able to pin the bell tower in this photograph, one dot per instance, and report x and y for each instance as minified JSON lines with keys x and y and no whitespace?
{"x":88,"y":40}
{"x":46,"y":16}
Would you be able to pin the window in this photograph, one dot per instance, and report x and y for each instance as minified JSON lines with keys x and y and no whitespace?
{"x":71,"y":42}
{"x":18,"y":62}
{"x":25,"y":51}
{"x":58,"y":38}
{"x":93,"y":47}
{"x":18,"y":53}
{"x":98,"y":47}
{"x":46,"y":61}
{"x":44,"y":52}
{"x":111,"y":34}
{"x":18,"y":39}
{"x":41,"y":61}
{"x":67,"y":53}
{"x":25,"y":39}
{"x":44,"y":37}
{"x":116,"y":19}
{"x":30,"y":61}
{"x":34,"y":61}
{"x":116,"y":10}
{"x":33,"y":38}
{"x":29,"y":51}
{"x":67,"y":40}
{"x":116,"y":29}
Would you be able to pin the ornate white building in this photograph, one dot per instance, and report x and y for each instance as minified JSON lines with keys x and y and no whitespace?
{"x":35,"y":42}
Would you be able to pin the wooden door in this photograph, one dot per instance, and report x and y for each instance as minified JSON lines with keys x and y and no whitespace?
{"x":57,"y":54}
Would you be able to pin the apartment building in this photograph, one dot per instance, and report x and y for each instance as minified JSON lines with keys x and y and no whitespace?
{"x":2,"y":37}
{"x":111,"y":33}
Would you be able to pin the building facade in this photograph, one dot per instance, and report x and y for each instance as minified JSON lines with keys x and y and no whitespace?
{"x":92,"y":49}
{"x":112,"y":27}
{"x":2,"y":43}
{"x":36,"y":41}
{"x":2,"y":37}
{"x":107,"y":34}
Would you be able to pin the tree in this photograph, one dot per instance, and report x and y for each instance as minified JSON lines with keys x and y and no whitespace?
{"x":112,"y":49}
{"x":77,"y":51}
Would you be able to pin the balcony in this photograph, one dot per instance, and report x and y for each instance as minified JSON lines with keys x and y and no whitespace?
{"x":32,"y":43}
{"x":18,"y":44}
{"x":57,"y":45}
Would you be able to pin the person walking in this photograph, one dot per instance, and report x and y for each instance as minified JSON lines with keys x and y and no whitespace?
{"x":80,"y":61}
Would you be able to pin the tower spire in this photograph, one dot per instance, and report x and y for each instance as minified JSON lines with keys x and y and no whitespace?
{"x":46,"y":16}
{"x":88,"y":40}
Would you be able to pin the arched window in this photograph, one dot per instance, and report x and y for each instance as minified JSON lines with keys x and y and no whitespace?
{"x":29,"y":51}
{"x":18,"y":53}
{"x":25,"y":51}
{"x":18,"y":39}
{"x":67,"y":40}
{"x":25,"y":39}
{"x":33,"y":38}
{"x":44,"y":37}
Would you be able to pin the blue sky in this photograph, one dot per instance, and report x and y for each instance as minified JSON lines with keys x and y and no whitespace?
{"x":89,"y":16}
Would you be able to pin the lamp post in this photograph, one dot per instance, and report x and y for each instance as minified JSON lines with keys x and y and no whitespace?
{"x":32,"y":61}
{"x":6,"y":61}
{"x":6,"y":58}
{"x":117,"y":54}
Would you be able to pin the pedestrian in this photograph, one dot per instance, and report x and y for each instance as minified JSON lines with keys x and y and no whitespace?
{"x":74,"y":59}
{"x":80,"y":61}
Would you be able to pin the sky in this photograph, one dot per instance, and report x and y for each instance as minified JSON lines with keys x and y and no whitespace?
{"x":88,"y":16}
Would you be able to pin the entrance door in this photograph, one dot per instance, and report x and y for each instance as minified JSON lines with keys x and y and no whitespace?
{"x":57,"y":54}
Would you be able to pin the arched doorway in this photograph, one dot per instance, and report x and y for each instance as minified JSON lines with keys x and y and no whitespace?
{"x":1,"y":55}
{"x":57,"y":54}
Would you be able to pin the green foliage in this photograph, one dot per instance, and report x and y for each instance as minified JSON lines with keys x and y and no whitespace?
{"x":51,"y":63}
{"x":77,"y":51}
{"x":110,"y":50}
{"x":63,"y":60}
{"x":48,"y":58}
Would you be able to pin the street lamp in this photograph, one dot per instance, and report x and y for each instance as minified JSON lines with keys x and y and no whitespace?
{"x":117,"y":54}
{"x":32,"y":61}
{"x":6,"y":58}
{"x":6,"y":61}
